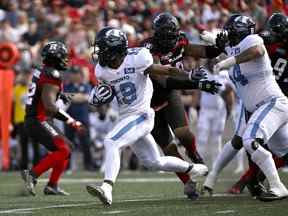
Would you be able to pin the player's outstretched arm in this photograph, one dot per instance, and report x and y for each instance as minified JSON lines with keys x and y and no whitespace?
{"x":161,"y":70}
{"x":202,"y":51}
{"x":248,"y":55}
{"x":210,"y":86}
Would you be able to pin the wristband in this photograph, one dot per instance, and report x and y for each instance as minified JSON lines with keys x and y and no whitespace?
{"x":63,"y":116}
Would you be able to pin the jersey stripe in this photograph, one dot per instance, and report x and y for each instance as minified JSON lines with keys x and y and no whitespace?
{"x":130,"y":125}
{"x":261,"y":117}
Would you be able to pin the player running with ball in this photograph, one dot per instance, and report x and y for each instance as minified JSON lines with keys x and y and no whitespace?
{"x":127,"y":72}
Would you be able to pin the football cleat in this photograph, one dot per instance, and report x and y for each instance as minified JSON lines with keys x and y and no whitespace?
{"x":256,"y":189}
{"x":274,"y":194}
{"x":198,"y":170}
{"x":29,"y":181}
{"x":55,"y":191}
{"x":206,"y":189}
{"x":190,"y":190}
{"x":209,"y":182}
{"x":237,"y":188}
{"x":105,"y":196}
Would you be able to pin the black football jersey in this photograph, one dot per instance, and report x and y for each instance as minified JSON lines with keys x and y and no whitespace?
{"x":174,"y":58}
{"x":34,"y":104}
{"x":279,"y":57}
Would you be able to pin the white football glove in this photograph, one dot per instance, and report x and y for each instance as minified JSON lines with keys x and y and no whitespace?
{"x":208,"y":37}
{"x":100,"y":94}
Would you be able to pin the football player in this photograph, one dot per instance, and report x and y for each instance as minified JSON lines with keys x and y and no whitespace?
{"x":127,"y":71}
{"x":276,"y":42}
{"x":262,"y":99}
{"x":41,"y":109}
{"x":169,"y":45}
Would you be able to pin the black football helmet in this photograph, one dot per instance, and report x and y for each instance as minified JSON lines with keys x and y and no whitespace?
{"x":166,"y":32}
{"x":278,"y":24}
{"x":110,"y":44}
{"x":55,"y":55}
{"x":238,"y":27}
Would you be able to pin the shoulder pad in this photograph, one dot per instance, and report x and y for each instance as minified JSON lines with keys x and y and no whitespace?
{"x":52,"y":73}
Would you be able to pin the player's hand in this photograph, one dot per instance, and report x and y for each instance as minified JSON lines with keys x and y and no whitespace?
{"x":221,"y":40}
{"x":100,"y":94}
{"x":210,"y":86}
{"x":198,"y":74}
{"x":77,"y":125}
{"x":65,"y":98}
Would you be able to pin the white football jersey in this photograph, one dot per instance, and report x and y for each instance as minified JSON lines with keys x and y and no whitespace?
{"x":133,"y":88}
{"x":254,"y":79}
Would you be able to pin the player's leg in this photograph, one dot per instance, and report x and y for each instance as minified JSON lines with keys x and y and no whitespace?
{"x":163,"y":138}
{"x":217,"y":130}
{"x":228,"y":152}
{"x":264,"y":122}
{"x":126,"y":132}
{"x":203,"y":130}
{"x":46,"y":134}
{"x":177,"y":119}
{"x":148,"y":154}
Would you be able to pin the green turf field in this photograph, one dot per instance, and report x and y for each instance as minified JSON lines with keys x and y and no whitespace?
{"x":135,"y":194}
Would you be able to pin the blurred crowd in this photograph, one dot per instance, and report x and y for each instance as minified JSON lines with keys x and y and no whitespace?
{"x":31,"y":23}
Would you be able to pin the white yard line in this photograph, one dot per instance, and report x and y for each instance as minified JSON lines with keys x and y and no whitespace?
{"x":123,"y":180}
{"x":30,"y":210}
{"x":225,"y":212}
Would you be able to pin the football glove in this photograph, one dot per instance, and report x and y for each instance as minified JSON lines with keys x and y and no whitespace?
{"x":101,"y":94}
{"x":210,"y":86}
{"x":221,"y":40}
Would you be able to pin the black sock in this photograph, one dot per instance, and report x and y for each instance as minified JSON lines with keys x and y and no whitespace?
{"x":189,"y":168}
{"x":109,"y":182}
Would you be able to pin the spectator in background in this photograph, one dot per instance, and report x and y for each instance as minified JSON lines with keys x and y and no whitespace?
{"x":79,"y":110}
{"x":20,"y":95}
{"x":257,"y":12}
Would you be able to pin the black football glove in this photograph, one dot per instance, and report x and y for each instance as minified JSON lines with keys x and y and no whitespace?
{"x":222,"y":40}
{"x":210,"y":86}
{"x":65,"y":98}
{"x":197,"y":74}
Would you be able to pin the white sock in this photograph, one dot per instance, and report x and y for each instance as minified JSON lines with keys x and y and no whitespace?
{"x":264,"y":160}
{"x":112,"y":163}
{"x":226,"y":155}
{"x":171,"y":164}
{"x":107,"y":187}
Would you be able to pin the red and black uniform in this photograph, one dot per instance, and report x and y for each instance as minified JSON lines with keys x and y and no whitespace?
{"x":167,"y":102}
{"x":41,"y":129}
{"x":278,"y":54}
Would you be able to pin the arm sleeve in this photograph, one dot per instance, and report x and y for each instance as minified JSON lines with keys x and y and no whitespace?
{"x":212,"y":51}
{"x":251,"y":41}
{"x":173,"y":83}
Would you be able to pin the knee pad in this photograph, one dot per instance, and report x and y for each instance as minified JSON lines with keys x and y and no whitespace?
{"x":62,"y":146}
{"x":237,"y":142}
